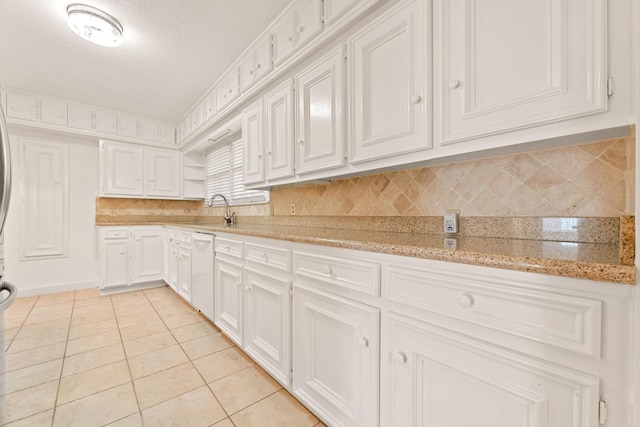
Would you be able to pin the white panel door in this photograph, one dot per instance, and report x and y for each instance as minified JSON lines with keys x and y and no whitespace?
{"x":432,"y":377}
{"x":105,"y":122}
{"x":162,"y":172}
{"x":44,"y":199}
{"x":166,"y":257}
{"x":53,"y":112}
{"x":127,"y":126}
{"x":252,"y":135}
{"x":115,"y":263}
{"x":320,"y":122}
{"x":21,"y":106}
{"x":122,"y":168}
{"x":388,"y":73}
{"x":503,"y":65}
{"x":283,"y":39}
{"x":184,"y":272}
{"x":80,"y":117}
{"x":147,"y":257}
{"x":228,"y":299}
{"x":174,"y":266}
{"x":335,"y":357}
{"x":202,"y":273}
{"x":307,"y":21}
{"x":148,"y":129}
{"x":267,"y":325}
{"x":279,"y":132}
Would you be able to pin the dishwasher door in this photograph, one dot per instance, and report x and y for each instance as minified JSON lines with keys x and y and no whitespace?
{"x":202,"y":258}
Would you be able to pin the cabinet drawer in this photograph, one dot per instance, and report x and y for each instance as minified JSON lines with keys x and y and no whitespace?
{"x":115,"y":233}
{"x":228,"y":247}
{"x":180,"y":236}
{"x":565,"y":321}
{"x":344,"y":273}
{"x":274,"y":257}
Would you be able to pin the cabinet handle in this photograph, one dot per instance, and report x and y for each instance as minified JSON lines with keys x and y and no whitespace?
{"x":263,"y":256}
{"x":300,"y":28}
{"x":227,"y":248}
{"x":269,"y":153}
{"x":363,"y":342}
{"x":138,"y":179}
{"x":454,"y":84}
{"x":259,"y":156}
{"x":300,"y":141}
{"x":258,"y":66}
{"x":251,"y":72}
{"x":415,"y":99}
{"x":400,"y":358}
{"x":328,"y":270}
{"x":289,"y":38}
{"x":247,"y":288}
{"x":465,"y":301}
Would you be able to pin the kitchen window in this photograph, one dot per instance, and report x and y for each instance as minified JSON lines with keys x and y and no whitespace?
{"x":223,"y":169}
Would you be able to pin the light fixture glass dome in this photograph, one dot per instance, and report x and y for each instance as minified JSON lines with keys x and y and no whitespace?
{"x":94,"y":25}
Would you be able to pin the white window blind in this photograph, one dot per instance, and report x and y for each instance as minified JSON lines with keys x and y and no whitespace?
{"x":224,"y":174}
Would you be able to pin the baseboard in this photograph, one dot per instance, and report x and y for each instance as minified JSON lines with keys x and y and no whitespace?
{"x":121,"y":289}
{"x":54,"y":289}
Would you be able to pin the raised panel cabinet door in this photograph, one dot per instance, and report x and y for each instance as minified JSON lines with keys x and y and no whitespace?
{"x":162,"y":172}
{"x":147,"y":255}
{"x":279,"y":132}
{"x":174,"y":266}
{"x":148,"y":130}
{"x":320,"y":111}
{"x":166,"y":133}
{"x":166,"y":257}
{"x":53,"y":112}
{"x":228,"y":299}
{"x":247,"y":72}
{"x":184,"y":272}
{"x":115,"y":263}
{"x":21,"y":106}
{"x":123,"y":168}
{"x":202,"y":273}
{"x":502,"y":65}
{"x":263,"y":62}
{"x":267,"y":325}
{"x":307,"y":22}
{"x":80,"y":117}
{"x":127,"y":126}
{"x":335,"y":357}
{"x":388,"y":73}
{"x":253,"y":167}
{"x":106,"y":122}
{"x":283,"y":39}
{"x":433,"y":377}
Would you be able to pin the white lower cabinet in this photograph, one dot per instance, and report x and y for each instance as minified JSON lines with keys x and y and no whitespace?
{"x":228,"y":299}
{"x":130,"y":256}
{"x":335,"y":357}
{"x":180,"y":263}
{"x":202,"y":273}
{"x":434,"y":377}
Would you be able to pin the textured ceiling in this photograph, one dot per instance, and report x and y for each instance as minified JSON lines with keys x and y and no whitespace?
{"x":173,"y":51}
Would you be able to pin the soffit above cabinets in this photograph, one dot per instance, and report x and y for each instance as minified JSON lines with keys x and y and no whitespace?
{"x":173,"y":51}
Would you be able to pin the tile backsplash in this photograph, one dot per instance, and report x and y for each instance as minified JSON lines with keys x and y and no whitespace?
{"x":587,"y":180}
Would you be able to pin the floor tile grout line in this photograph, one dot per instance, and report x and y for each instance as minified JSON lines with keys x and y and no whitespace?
{"x":7,"y":347}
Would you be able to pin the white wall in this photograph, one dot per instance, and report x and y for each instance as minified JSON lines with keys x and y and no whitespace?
{"x":80,"y":269}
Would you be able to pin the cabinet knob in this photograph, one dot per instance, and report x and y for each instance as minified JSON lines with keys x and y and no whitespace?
{"x":415,"y":99}
{"x":289,"y":38}
{"x":238,"y":283}
{"x":258,"y":66}
{"x":259,"y":156}
{"x":251,"y":72}
{"x":465,"y":301}
{"x":328,"y":270}
{"x":227,"y":248}
{"x":247,"y":288}
{"x":137,"y":179}
{"x":363,"y":342}
{"x":300,"y":141}
{"x":454,"y":84}
{"x":269,"y":153}
{"x":300,"y":28}
{"x":400,"y":357}
{"x":121,"y":252}
{"x":263,"y":256}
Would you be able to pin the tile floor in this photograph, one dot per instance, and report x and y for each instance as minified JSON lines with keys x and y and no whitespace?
{"x":142,"y":358}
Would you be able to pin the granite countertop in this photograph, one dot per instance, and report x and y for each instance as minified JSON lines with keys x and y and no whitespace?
{"x":595,"y":261}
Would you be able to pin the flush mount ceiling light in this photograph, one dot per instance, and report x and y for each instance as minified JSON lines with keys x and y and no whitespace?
{"x":94,"y":25}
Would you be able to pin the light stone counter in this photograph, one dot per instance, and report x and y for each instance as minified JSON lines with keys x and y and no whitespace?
{"x":595,"y":261}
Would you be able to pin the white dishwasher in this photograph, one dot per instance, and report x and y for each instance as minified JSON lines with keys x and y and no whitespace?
{"x":202,"y":256}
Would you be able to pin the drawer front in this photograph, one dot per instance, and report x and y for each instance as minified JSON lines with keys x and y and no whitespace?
{"x":115,"y":233}
{"x":180,"y":236}
{"x":270,"y":256}
{"x":228,"y":247}
{"x":344,"y":273}
{"x":569,"y":322}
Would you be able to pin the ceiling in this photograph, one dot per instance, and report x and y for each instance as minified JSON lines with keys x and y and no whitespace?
{"x":173,"y":51}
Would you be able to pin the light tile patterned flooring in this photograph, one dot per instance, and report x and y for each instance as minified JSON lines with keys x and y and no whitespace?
{"x":142,"y":358}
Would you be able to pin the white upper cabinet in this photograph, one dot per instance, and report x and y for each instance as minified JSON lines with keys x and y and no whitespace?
{"x":122,"y":168}
{"x":502,"y":65}
{"x":388,"y":74}
{"x":127,"y":126}
{"x":256,"y":64}
{"x":105,"y":122}
{"x":162,"y":171}
{"x":338,"y":10}
{"x":320,"y":114}
{"x":228,"y":89}
{"x":80,"y":117}
{"x":283,"y":39}
{"x":252,"y":135}
{"x":53,"y":112}
{"x":279,"y":132}
{"x":307,"y":22}
{"x":27,"y":107}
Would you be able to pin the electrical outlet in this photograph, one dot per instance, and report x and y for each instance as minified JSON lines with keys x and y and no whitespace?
{"x":451,"y":221}
{"x":293,"y":208}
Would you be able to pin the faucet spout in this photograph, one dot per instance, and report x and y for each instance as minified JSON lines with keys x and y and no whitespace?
{"x":229,"y":219}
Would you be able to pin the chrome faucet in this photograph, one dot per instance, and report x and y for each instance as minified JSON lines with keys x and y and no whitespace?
{"x":229,"y":219}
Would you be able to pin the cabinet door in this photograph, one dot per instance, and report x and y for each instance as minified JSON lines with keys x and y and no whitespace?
{"x":122,"y":169}
{"x":53,"y":112}
{"x":184,"y":272}
{"x":252,"y":135}
{"x":148,"y":130}
{"x":247,"y":72}
{"x":162,"y":172}
{"x":283,"y":39}
{"x":166,"y":133}
{"x":127,"y":126}
{"x":432,"y":377}
{"x":147,"y":255}
{"x":166,"y":257}
{"x":202,"y":273}
{"x":503,"y":65}
{"x":228,"y":299}
{"x":21,"y":106}
{"x":105,"y":122}
{"x":335,"y":357}
{"x":320,"y":98}
{"x":263,"y":63}
{"x":279,"y":132}
{"x":210,"y":105}
{"x":174,"y":262}
{"x":388,"y":74}
{"x":307,"y":21}
{"x":80,"y":117}
{"x":267,"y":327}
{"x":115,"y":263}
{"x":334,"y":10}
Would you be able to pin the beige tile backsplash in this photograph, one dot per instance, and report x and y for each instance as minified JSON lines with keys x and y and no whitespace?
{"x":587,"y":180}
